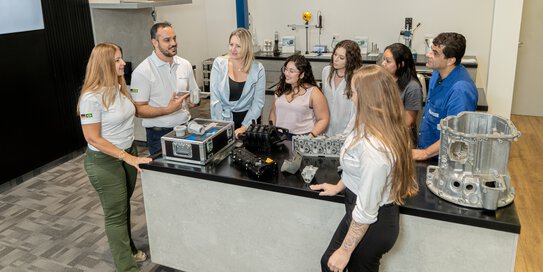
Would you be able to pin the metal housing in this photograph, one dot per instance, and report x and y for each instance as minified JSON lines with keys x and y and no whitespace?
{"x":473,"y":161}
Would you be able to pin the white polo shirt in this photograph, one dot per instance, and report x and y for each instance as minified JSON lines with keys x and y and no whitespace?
{"x":154,"y":81}
{"x":117,"y":122}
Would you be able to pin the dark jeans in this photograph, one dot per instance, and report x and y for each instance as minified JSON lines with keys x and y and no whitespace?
{"x":378,"y":240}
{"x":153,"y":138}
{"x":114,"y":181}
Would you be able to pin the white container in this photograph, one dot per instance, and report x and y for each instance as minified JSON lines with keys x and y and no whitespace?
{"x":195,"y":96}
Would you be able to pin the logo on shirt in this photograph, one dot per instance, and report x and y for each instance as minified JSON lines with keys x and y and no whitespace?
{"x":86,"y":115}
{"x":434,"y":114}
{"x":134,"y":90}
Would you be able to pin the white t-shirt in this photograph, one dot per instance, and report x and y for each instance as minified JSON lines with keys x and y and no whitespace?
{"x":117,"y":122}
{"x":154,"y":81}
{"x":366,"y":172}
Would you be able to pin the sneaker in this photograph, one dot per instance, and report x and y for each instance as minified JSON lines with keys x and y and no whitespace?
{"x":140,"y":256}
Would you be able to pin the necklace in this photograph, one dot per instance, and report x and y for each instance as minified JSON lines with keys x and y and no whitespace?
{"x":339,"y":75}
{"x":237,"y":69}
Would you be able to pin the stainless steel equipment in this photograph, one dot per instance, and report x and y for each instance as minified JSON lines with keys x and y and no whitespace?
{"x":473,"y":160}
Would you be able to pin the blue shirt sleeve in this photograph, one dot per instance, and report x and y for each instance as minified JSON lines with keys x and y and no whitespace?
{"x":463,"y":97}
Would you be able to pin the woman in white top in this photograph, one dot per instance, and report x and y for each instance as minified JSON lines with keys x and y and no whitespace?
{"x":237,"y":83}
{"x":378,"y":174}
{"x":299,"y":105}
{"x":336,"y":85}
{"x":111,"y":162}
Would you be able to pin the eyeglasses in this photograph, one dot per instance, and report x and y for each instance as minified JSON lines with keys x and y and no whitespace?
{"x":290,"y":71}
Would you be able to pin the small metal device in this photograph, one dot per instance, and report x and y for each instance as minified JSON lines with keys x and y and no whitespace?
{"x":292,"y":165}
{"x":309,"y":173}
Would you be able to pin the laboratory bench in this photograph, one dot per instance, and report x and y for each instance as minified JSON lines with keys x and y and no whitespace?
{"x":279,"y":224}
{"x":272,"y":64}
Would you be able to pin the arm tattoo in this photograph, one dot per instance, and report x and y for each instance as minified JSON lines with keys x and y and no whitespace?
{"x":354,"y":235}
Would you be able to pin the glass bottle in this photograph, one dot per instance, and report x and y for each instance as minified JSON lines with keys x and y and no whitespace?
{"x":276,"y":51}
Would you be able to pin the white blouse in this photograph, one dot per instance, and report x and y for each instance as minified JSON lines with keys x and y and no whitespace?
{"x":367,"y":168}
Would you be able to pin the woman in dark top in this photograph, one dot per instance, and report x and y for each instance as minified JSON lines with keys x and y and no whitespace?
{"x":237,"y":83}
{"x":398,"y":61}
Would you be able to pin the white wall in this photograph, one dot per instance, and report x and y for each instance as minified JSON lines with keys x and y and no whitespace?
{"x":203,"y":28}
{"x":191,"y":25}
{"x":381,"y":21}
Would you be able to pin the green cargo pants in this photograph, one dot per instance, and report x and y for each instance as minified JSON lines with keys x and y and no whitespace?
{"x":114,"y":181}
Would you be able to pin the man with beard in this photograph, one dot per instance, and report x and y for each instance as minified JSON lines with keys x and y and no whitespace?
{"x":160,"y":86}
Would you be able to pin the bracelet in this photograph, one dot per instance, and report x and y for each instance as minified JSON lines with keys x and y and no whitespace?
{"x":312,"y":134}
{"x":121,"y":156}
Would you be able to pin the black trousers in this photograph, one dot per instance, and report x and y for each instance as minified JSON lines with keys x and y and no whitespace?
{"x":378,"y":240}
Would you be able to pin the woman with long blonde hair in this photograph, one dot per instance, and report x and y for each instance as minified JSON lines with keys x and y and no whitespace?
{"x":107,"y":119}
{"x":238,"y":83}
{"x":378,"y":174}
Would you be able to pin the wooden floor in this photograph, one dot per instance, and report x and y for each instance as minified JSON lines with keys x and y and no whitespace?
{"x":526,"y":170}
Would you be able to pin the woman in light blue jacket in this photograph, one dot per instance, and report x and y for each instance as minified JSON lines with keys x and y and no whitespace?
{"x":237,"y":83}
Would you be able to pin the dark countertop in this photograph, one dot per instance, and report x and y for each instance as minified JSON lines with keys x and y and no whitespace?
{"x":424,"y":204}
{"x":468,"y":61}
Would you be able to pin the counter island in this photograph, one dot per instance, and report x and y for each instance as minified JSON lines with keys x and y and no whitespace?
{"x":216,"y":218}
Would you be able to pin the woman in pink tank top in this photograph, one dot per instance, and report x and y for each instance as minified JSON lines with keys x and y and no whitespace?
{"x":299,"y":104}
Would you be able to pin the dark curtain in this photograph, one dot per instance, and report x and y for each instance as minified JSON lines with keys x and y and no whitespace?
{"x":42,"y":72}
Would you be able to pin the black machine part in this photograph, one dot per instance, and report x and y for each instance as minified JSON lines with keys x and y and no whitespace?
{"x":255,"y":166}
{"x":262,"y":138}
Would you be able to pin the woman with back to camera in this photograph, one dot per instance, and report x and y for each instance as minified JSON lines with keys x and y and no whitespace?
{"x":398,"y":61}
{"x":299,"y":104}
{"x":336,"y":86}
{"x":107,"y":119}
{"x":378,"y":174}
{"x":237,"y":83}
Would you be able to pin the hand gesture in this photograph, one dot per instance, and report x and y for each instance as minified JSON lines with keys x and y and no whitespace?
{"x":176,"y":102}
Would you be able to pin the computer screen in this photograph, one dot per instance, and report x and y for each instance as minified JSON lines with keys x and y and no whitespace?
{"x":20,"y":16}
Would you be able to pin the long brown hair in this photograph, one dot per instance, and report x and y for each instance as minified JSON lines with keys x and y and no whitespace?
{"x":380,"y":113}
{"x":353,"y":61}
{"x":305,"y":81}
{"x":101,"y":74}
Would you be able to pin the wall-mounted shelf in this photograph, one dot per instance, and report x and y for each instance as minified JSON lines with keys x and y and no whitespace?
{"x":138,"y":5}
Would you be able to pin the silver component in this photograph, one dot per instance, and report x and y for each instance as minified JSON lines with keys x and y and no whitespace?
{"x":309,"y":172}
{"x":473,"y":159}
{"x":321,"y":146}
{"x":195,"y":96}
{"x":195,"y":128}
{"x":292,"y":165}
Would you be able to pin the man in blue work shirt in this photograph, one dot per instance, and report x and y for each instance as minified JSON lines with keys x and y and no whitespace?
{"x":451,"y":91}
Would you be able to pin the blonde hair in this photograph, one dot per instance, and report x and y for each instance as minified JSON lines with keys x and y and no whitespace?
{"x":380,"y":113}
{"x":101,"y":75}
{"x":246,"y":42}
